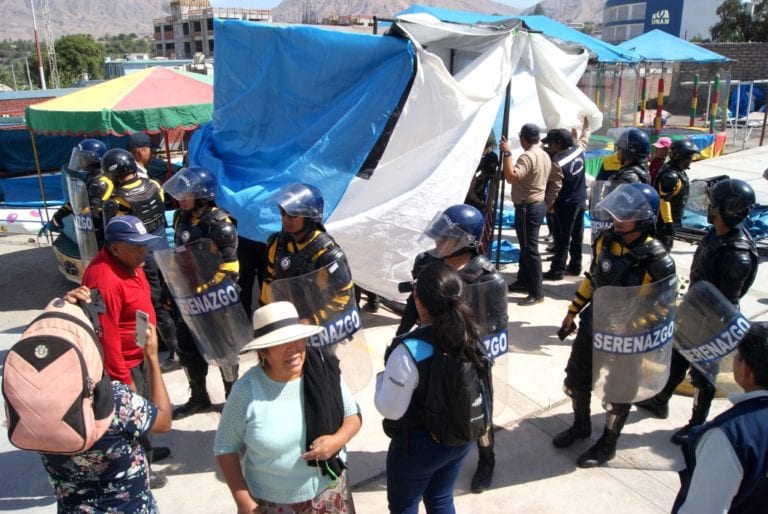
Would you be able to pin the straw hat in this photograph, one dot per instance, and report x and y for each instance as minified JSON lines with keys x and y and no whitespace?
{"x":278,"y":323}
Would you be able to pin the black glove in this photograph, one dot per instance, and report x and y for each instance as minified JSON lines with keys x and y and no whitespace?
{"x":667,"y":234}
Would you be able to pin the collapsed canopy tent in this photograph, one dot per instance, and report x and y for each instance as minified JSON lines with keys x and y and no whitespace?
{"x":150,"y":100}
{"x":660,"y":46}
{"x":389,"y":128}
{"x":603,"y":52}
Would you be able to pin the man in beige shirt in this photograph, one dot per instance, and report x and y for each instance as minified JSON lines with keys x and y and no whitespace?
{"x":535,"y":185}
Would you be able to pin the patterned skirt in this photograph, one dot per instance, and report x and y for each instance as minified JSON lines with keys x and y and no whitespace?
{"x":334,"y":500}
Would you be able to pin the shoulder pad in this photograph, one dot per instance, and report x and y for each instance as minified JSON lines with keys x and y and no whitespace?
{"x":421,"y":261}
{"x":223,"y":234}
{"x":660,"y":263}
{"x":667,"y":180}
{"x":221,"y":215}
{"x":420,"y":350}
{"x":480,"y":262}
{"x":100,"y":189}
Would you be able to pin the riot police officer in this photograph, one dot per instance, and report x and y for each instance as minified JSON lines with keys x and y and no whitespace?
{"x":198,"y":217}
{"x":457,"y":232}
{"x":86,"y":157}
{"x":727,"y":257}
{"x":304,"y":246}
{"x":673,"y":186}
{"x":134,"y":195}
{"x":624,"y":255}
{"x":143,"y":198}
{"x":632,"y":148}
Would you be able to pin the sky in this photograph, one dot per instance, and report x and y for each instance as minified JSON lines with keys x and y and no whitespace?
{"x":268,"y":4}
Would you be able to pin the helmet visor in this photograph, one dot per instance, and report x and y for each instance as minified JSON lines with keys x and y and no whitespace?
{"x":698,"y":198}
{"x":297,"y":200}
{"x":626,"y":203}
{"x":185,"y":185}
{"x":449,"y":238}
{"x":82,"y":160}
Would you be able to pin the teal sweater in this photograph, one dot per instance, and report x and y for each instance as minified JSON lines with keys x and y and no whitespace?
{"x":267,"y":419}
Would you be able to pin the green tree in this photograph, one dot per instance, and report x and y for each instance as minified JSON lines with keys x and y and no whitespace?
{"x":12,"y":57}
{"x":737,"y":25}
{"x":77,"y":54}
{"x":117,"y":46}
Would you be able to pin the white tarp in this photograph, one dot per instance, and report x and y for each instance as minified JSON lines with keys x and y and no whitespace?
{"x":438,"y":140}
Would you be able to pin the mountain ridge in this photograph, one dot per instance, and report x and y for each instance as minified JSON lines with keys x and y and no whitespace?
{"x":102,"y":17}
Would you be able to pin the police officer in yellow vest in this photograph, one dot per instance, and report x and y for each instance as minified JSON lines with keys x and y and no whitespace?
{"x":303,"y":245}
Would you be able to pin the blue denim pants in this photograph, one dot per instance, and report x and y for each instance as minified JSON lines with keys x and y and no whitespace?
{"x":425,"y":468}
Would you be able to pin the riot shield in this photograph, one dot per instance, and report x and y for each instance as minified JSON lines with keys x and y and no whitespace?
{"x":632,"y":334}
{"x":326,"y":297}
{"x":213,"y":313}
{"x":488,"y":302}
{"x":709,"y":328}
{"x":600,"y":220}
{"x":698,"y":201}
{"x":85,"y":229}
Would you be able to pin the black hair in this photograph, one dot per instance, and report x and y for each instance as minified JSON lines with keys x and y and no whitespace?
{"x":438,"y":288}
{"x":753,"y":349}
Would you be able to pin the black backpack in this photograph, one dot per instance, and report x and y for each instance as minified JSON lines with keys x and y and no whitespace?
{"x":458,"y":399}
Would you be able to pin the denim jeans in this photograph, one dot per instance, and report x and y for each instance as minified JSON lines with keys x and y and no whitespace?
{"x":425,"y":468}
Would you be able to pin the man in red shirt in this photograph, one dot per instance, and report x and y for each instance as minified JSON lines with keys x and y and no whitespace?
{"x":116,"y":272}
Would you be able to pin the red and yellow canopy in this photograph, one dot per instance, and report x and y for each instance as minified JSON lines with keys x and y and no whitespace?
{"x":149,"y":100}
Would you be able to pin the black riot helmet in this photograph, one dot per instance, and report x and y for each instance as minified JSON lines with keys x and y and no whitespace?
{"x":732,"y":199}
{"x":683,"y":149}
{"x":118,"y":163}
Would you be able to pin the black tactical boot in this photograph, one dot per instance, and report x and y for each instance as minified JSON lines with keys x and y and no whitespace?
{"x":702,"y":399}
{"x":582,"y":426}
{"x":227,"y":388}
{"x":481,"y":480}
{"x":605,"y":447}
{"x":199,"y":401}
{"x":656,"y":406}
{"x":229,"y":375}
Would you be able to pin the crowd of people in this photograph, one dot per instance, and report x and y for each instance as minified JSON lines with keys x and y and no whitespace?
{"x":286,"y":422}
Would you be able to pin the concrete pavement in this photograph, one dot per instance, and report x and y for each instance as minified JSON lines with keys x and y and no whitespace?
{"x":531,"y":475}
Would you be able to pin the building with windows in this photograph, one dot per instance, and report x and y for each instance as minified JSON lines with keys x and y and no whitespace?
{"x":189,"y":28}
{"x":687,"y":19}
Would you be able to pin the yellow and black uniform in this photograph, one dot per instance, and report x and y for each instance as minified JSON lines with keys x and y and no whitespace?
{"x":140,"y":197}
{"x":673,"y":186}
{"x":214,"y":224}
{"x":100,"y":189}
{"x":288,"y":258}
{"x":190,"y":226}
{"x":614,"y":263}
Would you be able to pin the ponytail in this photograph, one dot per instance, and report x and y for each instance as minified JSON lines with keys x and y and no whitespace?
{"x":439,"y":288}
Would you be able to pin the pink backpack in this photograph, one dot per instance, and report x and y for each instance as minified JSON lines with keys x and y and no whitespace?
{"x":58,"y":398}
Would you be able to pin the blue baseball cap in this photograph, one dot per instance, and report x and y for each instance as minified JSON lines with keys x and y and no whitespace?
{"x":140,"y":140}
{"x":128,"y":229}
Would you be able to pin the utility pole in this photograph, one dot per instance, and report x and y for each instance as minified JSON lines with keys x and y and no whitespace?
{"x":37,"y":47}
{"x":13,"y":74}
{"x":29,"y":75}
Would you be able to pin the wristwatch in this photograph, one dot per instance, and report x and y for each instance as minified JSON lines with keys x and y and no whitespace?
{"x":506,"y":154}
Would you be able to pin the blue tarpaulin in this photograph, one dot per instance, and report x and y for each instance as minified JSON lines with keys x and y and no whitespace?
{"x":659,"y":46}
{"x":605,"y":52}
{"x":288,"y":109}
{"x":740,"y":95}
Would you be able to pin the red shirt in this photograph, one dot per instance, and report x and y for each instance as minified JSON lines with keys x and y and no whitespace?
{"x":124,"y":293}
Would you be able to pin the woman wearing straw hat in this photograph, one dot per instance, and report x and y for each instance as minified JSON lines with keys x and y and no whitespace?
{"x":293,"y":415}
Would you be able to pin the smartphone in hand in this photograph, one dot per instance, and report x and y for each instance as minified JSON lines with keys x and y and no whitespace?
{"x":142,"y":324}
